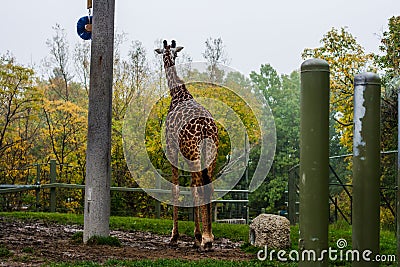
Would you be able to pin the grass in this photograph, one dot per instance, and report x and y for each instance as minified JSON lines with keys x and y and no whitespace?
{"x":165,"y":263}
{"x":162,"y":227}
{"x":28,"y":250}
{"x":340,"y":230}
{"x":112,"y":241}
{"x":4,"y":252}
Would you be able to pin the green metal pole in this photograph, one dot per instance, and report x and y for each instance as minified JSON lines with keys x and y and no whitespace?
{"x":366,"y":166}
{"x":314,"y":163}
{"x":53,"y":174}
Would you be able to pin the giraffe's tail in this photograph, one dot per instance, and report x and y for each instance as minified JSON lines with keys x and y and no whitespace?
{"x":206,"y":177}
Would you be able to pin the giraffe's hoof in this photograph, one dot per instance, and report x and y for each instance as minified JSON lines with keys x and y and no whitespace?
{"x":197,"y":240}
{"x":206,"y":244}
{"x":197,"y":244}
{"x":207,"y":247}
{"x":174,"y":240}
{"x":173,"y":243}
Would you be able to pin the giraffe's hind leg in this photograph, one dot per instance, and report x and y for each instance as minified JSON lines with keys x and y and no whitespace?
{"x":197,"y":232}
{"x":207,"y":236}
{"x":175,"y":194}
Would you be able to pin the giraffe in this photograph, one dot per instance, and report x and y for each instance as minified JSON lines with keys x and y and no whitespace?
{"x":191,"y":133}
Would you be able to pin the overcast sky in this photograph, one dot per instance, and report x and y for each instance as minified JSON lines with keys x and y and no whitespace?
{"x":254,"y":31}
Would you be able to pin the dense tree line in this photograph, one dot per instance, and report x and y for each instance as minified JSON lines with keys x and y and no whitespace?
{"x":45,"y":116}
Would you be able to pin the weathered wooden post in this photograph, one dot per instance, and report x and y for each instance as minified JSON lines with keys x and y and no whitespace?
{"x":366,"y":166}
{"x":98,"y":157}
{"x":314,"y":162}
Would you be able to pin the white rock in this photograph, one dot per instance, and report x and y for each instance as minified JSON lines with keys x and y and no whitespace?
{"x":271,"y":230}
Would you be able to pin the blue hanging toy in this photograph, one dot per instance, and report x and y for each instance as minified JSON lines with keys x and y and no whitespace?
{"x":84,"y":25}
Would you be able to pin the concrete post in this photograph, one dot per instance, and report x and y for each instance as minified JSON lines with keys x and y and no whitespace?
{"x":98,"y":154}
{"x":366,"y":166}
{"x":314,"y":162}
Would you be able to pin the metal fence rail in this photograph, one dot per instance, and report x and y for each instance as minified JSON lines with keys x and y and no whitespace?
{"x":293,"y":192}
{"x":53,"y":185}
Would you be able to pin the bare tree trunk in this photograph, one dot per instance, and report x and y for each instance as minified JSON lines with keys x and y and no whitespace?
{"x":98,"y":157}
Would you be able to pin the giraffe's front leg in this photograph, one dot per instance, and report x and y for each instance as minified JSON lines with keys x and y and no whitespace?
{"x":175,"y":196}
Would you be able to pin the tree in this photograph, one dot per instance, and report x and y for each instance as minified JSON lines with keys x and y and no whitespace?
{"x":82,"y":63}
{"x":389,"y":64}
{"x":66,"y":127}
{"x":59,"y":51}
{"x":346,"y":58}
{"x":215,"y":54}
{"x":130,"y":80}
{"x":282,"y":93}
{"x":19,"y":103}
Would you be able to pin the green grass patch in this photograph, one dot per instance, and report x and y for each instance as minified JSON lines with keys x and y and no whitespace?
{"x":234,"y":232}
{"x":339,"y":230}
{"x":168,"y":263}
{"x":77,"y":237}
{"x":60,"y":218}
{"x":4,"y":252}
{"x":28,"y":250}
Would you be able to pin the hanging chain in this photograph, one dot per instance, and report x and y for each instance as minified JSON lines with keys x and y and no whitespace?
{"x":89,"y":7}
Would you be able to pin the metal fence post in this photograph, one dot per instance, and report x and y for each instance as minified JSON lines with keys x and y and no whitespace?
{"x":398,"y":176}
{"x":53,"y":176}
{"x":366,"y":165}
{"x":314,"y":161}
{"x":292,"y":197}
{"x":158,"y":204}
{"x":38,"y":170}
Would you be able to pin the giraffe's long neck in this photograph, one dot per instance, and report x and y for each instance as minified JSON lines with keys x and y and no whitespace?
{"x":176,"y":86}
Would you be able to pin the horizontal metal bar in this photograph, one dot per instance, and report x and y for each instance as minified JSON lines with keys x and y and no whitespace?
{"x":5,"y":186}
{"x":62,"y":185}
{"x":230,"y":201}
{"x":17,"y":188}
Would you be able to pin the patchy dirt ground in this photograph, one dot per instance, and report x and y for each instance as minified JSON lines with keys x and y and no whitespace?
{"x":35,"y":243}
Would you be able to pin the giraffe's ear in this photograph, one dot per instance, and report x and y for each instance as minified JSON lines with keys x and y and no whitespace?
{"x":158,"y":51}
{"x":178,"y":49}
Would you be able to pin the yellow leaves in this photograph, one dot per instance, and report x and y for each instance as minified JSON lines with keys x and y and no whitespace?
{"x":66,"y":128}
{"x":346,"y":58}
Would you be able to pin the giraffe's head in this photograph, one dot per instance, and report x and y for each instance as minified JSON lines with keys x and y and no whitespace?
{"x":169,"y":52}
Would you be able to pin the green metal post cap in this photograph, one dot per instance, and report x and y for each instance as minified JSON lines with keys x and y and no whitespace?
{"x":367,"y":78}
{"x":314,"y":64}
